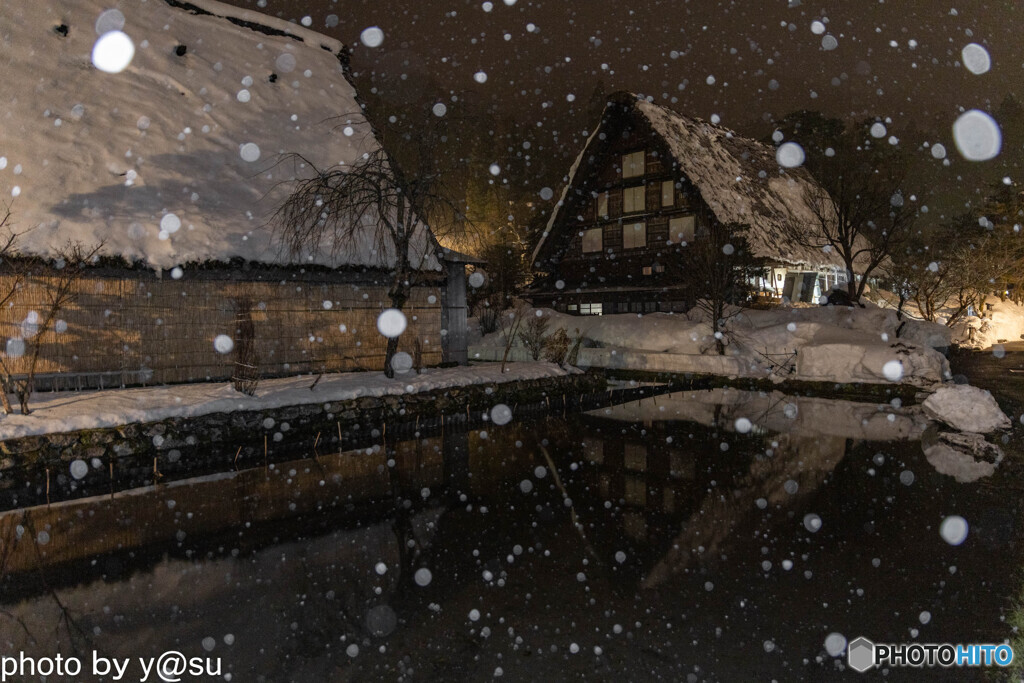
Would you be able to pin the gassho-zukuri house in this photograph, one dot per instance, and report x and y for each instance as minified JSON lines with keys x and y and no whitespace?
{"x":174,"y":165}
{"x":636,"y":195}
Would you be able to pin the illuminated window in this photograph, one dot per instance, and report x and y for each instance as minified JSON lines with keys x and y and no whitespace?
{"x":647,"y":270}
{"x":633,"y":164}
{"x":602,"y":205}
{"x":668,"y":193}
{"x":634,"y":235}
{"x":681,"y":229}
{"x":633,"y":199}
{"x":592,"y":240}
{"x":590,"y":309}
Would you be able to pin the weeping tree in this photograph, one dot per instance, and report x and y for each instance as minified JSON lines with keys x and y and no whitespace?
{"x":373,"y":208}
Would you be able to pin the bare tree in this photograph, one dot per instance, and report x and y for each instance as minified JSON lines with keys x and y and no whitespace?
{"x":59,"y":292}
{"x":860,"y":210}
{"x":718,"y":268}
{"x":10,"y":267}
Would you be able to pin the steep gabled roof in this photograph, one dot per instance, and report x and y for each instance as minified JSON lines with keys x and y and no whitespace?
{"x":738,"y":178}
{"x":193,"y":128}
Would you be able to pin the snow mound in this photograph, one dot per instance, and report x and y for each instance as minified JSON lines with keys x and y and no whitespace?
{"x":965,"y":457}
{"x":1002,"y":321}
{"x":873,"y":364}
{"x":966,"y":408}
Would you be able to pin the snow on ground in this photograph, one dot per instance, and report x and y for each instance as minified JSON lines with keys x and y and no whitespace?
{"x":966,"y":408}
{"x":1002,"y":322}
{"x":830,"y":344}
{"x":998,"y":322}
{"x":71,"y":411}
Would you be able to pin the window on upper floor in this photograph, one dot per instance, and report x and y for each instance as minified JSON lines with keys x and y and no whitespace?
{"x":682,"y":229}
{"x":602,"y":205}
{"x":668,"y":193}
{"x":634,"y":199}
{"x":592,"y":240}
{"x":633,"y":164}
{"x":634,"y":235}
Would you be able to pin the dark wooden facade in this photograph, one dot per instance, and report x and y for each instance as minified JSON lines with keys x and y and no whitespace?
{"x":593,"y":258}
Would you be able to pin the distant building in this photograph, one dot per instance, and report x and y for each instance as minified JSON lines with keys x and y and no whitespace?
{"x":640,"y":191}
{"x":175,"y":165}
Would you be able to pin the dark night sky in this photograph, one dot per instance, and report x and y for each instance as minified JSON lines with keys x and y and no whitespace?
{"x":897,"y":59}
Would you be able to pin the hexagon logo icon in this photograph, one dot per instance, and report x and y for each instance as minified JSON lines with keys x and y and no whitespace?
{"x":860,"y":654}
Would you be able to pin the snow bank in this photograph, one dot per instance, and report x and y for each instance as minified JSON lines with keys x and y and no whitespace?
{"x":1002,"y":321}
{"x":966,"y":408}
{"x":68,"y":412}
{"x":872,"y":364}
{"x":825,"y":344}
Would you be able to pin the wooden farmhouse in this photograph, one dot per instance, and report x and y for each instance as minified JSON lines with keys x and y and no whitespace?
{"x":644,"y":187}
{"x":173,"y":167}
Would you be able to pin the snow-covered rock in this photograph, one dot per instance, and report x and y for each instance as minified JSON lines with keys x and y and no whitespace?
{"x":966,"y":408}
{"x":965,"y":457}
{"x":871,"y":364}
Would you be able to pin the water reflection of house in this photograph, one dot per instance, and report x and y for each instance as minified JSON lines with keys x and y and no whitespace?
{"x":175,"y":165}
{"x":643,"y":187}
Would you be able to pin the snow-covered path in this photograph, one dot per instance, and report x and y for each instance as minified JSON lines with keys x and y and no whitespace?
{"x":67,"y":411}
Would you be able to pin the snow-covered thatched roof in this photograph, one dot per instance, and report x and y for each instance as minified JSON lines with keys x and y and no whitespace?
{"x":737,"y":177}
{"x":177,"y":158}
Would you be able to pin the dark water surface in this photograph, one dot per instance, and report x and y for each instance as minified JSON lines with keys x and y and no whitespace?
{"x":655,"y":540}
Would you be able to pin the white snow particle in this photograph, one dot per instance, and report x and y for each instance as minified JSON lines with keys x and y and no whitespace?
{"x":439,"y":109}
{"x":526,"y":486}
{"x":372,"y":36}
{"x":893,"y":370}
{"x":976,"y":58}
{"x":109,"y":20}
{"x":878,"y":129}
{"x":243,"y":96}
{"x":790,"y":155}
{"x":285,"y":62}
{"x":474,"y":615}
{"x":480,"y":77}
{"x":250,"y":152}
{"x":710,"y":80}
{"x":835,"y":644}
{"x":222,"y":343}
{"x":209,"y":642}
{"x":423,"y":577}
{"x":953,"y":530}
{"x":817,"y":28}
{"x":352,"y":650}
{"x":501,"y":414}
{"x":924,"y":617}
{"x":113,"y":52}
{"x":401,"y":363}
{"x":476,"y":279}
{"x":906,"y":477}
{"x":743,"y":425}
{"x":79,"y":468}
{"x":307,"y":20}
{"x":812,"y":522}
{"x":170,"y":223}
{"x":380,"y":568}
{"x":977,"y":136}
{"x":546,"y":193}
{"x":391,"y":323}
{"x":495,"y":169}
{"x":829,"y":42}
{"x":620,"y":556}
{"x":939,"y":150}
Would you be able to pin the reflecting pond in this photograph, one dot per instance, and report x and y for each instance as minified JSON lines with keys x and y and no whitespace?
{"x":703,"y":535}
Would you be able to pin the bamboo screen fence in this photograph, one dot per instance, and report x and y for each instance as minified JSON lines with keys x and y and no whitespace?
{"x":124,"y":330}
